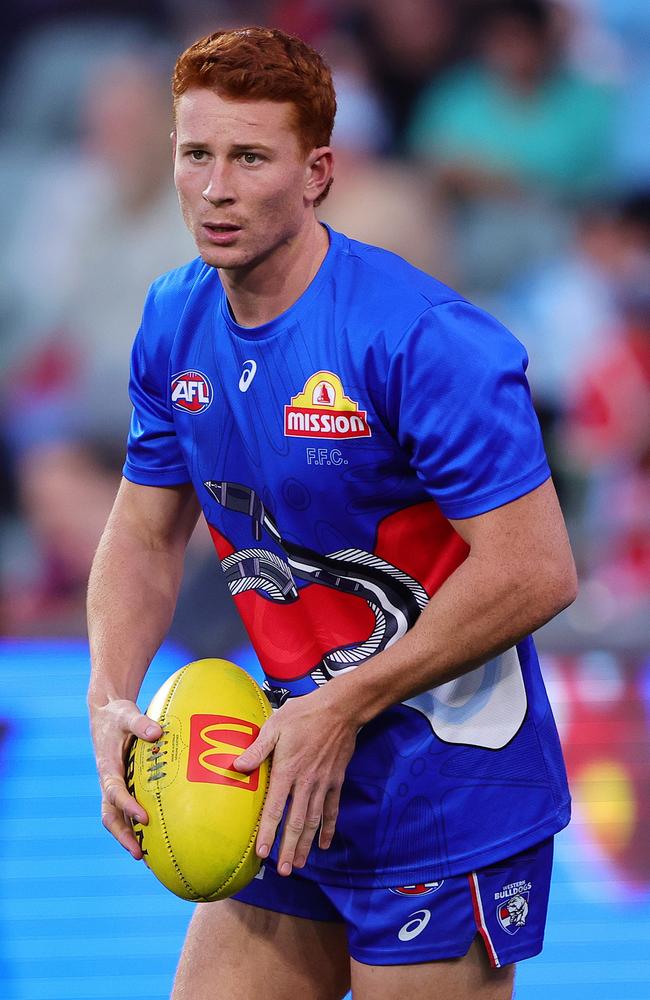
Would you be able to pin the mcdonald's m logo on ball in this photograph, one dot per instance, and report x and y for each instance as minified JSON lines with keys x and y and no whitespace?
{"x":215,"y":742}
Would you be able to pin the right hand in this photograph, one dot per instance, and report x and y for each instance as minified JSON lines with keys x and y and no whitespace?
{"x":112,"y":726}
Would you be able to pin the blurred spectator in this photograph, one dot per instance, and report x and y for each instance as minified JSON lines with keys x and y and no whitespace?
{"x":47,"y":75}
{"x":378,"y":200}
{"x":591,"y":48}
{"x":66,"y":493}
{"x":516,"y":118}
{"x":309,"y":19}
{"x":565,"y":310}
{"x":195,"y":18}
{"x":105,"y":224}
{"x":513,"y":137}
{"x":629,"y":23}
{"x":45,"y":78}
{"x":361,"y":117}
{"x":568,"y":310}
{"x":608,"y":437}
{"x":22,"y":18}
{"x":609,"y":423}
{"x":407,"y":45}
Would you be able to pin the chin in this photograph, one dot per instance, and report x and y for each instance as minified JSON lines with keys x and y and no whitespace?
{"x":223,"y":257}
{"x":234,"y":258}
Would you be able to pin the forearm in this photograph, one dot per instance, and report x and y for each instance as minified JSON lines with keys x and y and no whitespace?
{"x":474,"y":616}
{"x":132,"y":594}
{"x":134,"y":584}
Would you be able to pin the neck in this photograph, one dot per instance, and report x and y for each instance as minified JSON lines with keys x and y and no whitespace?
{"x":271,"y":286}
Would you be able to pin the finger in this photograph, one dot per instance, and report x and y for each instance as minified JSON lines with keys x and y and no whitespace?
{"x":258,"y":751}
{"x":330,"y":816}
{"x":114,"y":821}
{"x":272,"y":814}
{"x":116,"y":795}
{"x":312,"y":821}
{"x":301,"y":821}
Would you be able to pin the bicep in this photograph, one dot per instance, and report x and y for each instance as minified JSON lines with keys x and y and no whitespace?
{"x":157,"y":517}
{"x":527,"y":535}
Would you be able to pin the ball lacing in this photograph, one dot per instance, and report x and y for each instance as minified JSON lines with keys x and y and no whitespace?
{"x":157,"y":759}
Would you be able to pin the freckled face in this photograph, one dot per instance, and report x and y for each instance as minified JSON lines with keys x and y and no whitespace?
{"x":240,"y":176}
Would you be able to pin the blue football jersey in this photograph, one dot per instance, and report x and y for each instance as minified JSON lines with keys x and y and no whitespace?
{"x":329,"y":447}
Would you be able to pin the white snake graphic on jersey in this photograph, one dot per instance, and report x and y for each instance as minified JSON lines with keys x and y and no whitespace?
{"x":460,"y":711}
{"x":395,"y":598}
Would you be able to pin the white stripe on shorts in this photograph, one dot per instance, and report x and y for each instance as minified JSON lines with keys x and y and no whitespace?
{"x":480,"y":921}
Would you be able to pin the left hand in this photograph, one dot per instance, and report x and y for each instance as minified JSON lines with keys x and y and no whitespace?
{"x":312,"y":740}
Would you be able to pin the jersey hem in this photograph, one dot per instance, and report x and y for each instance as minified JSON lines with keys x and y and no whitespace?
{"x":391,"y":877}
{"x":177,"y":476}
{"x":496,"y":498}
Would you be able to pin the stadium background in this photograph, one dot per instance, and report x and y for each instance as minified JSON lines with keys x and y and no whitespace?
{"x":509,"y":157}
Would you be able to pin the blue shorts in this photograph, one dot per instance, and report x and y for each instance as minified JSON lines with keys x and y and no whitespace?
{"x":505,"y":903}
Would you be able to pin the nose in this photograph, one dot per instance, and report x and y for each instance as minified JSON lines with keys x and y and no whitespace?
{"x":219,"y":187}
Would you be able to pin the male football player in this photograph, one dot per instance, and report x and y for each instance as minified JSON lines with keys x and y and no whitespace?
{"x":362,"y":444}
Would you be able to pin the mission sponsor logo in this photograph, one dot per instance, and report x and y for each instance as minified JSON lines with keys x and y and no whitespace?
{"x":322,"y":410}
{"x":191,"y":391}
{"x":215,"y":743}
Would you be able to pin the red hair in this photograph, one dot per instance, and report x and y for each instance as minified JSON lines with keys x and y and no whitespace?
{"x":264,"y":64}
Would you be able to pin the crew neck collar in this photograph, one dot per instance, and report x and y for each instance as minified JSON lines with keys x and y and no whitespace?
{"x":303,"y":304}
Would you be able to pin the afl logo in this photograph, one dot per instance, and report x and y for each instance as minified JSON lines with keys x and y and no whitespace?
{"x":421,"y":889}
{"x":191,"y":391}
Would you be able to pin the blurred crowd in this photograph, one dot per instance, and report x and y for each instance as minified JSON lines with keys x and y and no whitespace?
{"x":502,"y":145}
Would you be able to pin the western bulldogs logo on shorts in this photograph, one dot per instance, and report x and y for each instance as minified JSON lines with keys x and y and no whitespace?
{"x":512,"y":910}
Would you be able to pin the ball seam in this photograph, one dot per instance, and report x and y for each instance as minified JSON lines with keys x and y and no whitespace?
{"x":264,"y":704}
{"x":172,"y":858}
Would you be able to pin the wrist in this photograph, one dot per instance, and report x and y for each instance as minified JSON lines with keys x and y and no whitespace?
{"x":100,"y":695}
{"x":354,"y":696}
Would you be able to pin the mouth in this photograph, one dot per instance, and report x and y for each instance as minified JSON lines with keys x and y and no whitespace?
{"x":221,"y":233}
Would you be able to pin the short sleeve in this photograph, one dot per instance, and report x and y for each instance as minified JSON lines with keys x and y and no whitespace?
{"x":154,"y":455}
{"x":458,"y":401}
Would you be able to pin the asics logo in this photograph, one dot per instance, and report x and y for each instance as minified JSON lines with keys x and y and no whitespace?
{"x":248,"y":374}
{"x":415,"y":924}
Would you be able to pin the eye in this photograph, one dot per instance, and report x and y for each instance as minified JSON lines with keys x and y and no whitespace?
{"x":197,"y":155}
{"x":250,"y":159}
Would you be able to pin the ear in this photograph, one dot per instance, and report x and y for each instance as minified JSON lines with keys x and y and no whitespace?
{"x":319,"y":171}
{"x":172,"y":136}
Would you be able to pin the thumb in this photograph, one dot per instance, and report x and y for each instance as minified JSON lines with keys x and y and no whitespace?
{"x":258,"y":751}
{"x":148,"y":729}
{"x":140,"y":725}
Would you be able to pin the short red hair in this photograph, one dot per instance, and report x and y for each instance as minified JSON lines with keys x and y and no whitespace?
{"x":264,"y":64}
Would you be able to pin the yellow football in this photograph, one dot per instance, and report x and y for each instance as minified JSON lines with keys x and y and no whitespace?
{"x":203,"y":815}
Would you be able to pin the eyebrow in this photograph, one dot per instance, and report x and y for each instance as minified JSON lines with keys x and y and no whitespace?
{"x":239,"y":147}
{"x":242,"y":147}
{"x":192,"y":145}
